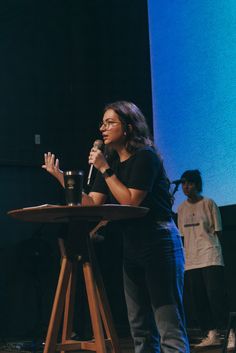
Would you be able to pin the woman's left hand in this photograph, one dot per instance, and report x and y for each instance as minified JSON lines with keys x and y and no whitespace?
{"x":97,"y":158}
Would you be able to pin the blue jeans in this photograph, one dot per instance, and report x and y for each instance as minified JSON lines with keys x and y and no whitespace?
{"x":153,"y":282}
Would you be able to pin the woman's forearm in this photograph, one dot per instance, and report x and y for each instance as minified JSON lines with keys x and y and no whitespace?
{"x":87,"y":200}
{"x":124,"y":195}
{"x":60,"y":178}
{"x":120,"y":192}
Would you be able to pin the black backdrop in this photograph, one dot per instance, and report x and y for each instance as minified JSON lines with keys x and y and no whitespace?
{"x":61,"y":61}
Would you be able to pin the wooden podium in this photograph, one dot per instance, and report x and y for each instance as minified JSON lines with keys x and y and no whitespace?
{"x":77,"y":246}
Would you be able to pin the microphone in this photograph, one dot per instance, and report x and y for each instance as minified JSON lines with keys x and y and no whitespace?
{"x":177,"y":182}
{"x":97,"y":145}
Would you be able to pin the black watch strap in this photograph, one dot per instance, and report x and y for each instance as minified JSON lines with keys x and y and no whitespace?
{"x":108,"y":172}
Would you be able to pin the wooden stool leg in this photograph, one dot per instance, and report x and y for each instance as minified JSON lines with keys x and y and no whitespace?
{"x":58,"y":305}
{"x":65,"y":295}
{"x":69,"y":304}
{"x":94,"y":308}
{"x":70,"y":298}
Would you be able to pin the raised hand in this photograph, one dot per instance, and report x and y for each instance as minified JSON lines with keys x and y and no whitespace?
{"x":52,"y":166}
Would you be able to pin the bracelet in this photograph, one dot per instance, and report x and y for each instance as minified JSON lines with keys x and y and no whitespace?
{"x":108,"y":172}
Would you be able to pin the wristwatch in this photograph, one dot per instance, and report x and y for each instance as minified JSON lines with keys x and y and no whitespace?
{"x":108,"y":172}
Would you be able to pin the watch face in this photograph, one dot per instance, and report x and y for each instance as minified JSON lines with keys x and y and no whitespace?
{"x":108,"y":172}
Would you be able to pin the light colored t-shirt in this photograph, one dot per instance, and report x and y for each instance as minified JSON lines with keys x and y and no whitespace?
{"x":198,"y":223}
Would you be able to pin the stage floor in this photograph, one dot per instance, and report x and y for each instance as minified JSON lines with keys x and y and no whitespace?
{"x":125,"y":343}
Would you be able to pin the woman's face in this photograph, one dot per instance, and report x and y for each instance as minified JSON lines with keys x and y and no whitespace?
{"x":189,"y":188}
{"x":112,"y":129}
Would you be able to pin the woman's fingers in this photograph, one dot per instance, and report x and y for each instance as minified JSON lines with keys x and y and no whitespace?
{"x":97,"y":158}
{"x":90,"y":159}
{"x":47,"y":158}
{"x":94,"y":155}
{"x":52,"y":166}
{"x":91,"y":156}
{"x":49,"y":162}
{"x":45,"y":165}
{"x":52,"y":160}
{"x":57,"y":163}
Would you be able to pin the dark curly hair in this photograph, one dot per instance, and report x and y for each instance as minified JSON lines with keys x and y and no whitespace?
{"x":134,"y":124}
{"x":193,"y":176}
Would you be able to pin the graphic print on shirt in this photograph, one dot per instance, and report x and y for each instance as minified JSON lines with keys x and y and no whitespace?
{"x":191,"y":221}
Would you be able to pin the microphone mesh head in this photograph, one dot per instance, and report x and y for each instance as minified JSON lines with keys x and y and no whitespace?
{"x":98,"y":144}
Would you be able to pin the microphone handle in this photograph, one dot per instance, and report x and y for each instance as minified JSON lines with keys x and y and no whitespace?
{"x":89,"y":174}
{"x":97,"y":144}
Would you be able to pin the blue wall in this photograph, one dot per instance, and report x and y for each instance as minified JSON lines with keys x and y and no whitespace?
{"x":193,"y":60}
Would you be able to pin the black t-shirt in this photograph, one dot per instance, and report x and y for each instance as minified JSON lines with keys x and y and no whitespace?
{"x":144,"y":171}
